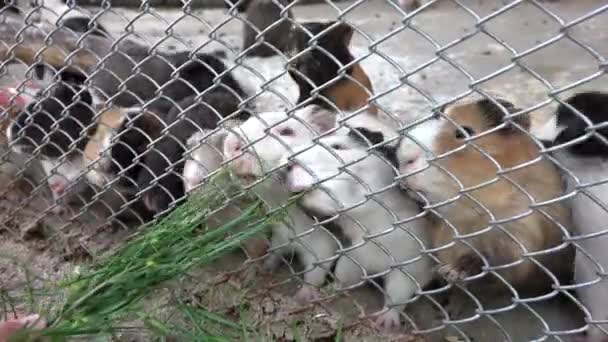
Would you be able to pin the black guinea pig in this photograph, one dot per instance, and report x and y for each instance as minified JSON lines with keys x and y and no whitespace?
{"x":161,"y":176}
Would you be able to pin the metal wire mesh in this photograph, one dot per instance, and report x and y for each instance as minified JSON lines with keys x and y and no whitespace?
{"x":440,"y":187}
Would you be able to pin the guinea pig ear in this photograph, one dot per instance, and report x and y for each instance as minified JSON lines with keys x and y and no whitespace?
{"x":72,"y":77}
{"x":495,"y":115}
{"x":319,"y":118}
{"x":343,"y":32}
{"x":194,"y":140}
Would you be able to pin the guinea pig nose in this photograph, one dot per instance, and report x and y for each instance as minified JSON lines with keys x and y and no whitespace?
{"x":412,"y":158}
{"x":236,"y":146}
{"x":290,"y":165}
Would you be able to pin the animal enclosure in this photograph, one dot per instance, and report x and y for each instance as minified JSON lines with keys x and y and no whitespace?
{"x":440,"y":163}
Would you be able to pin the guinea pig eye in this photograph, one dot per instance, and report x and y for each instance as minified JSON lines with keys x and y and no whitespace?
{"x":286,"y":132}
{"x":467,"y":129}
{"x":337,"y":147}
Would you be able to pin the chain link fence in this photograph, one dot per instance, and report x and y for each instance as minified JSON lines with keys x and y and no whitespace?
{"x":441,"y":163}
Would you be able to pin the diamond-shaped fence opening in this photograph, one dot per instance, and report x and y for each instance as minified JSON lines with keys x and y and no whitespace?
{"x":349,"y":170}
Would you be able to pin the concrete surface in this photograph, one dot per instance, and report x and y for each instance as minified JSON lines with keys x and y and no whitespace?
{"x":394,"y":54}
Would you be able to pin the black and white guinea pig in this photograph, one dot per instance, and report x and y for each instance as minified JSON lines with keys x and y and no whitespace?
{"x":161,"y":176}
{"x":587,"y":160}
{"x":55,"y":128}
{"x":58,"y":128}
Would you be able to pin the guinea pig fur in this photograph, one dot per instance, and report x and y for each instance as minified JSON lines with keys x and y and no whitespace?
{"x":257,"y":147}
{"x":130,"y":74}
{"x":584,"y":169}
{"x":204,"y":158}
{"x":62,"y":131}
{"x":441,"y":159}
{"x":56,"y":129}
{"x":78,"y":24}
{"x":12,"y":102}
{"x":314,"y":67}
{"x":161,"y":176}
{"x":338,"y":177}
{"x":118,"y":147}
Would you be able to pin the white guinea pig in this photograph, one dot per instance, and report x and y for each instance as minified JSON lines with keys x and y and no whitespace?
{"x":205,"y":157}
{"x":340,"y":176}
{"x":257,"y":147}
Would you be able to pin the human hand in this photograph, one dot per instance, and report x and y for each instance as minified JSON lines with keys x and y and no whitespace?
{"x":10,"y":327}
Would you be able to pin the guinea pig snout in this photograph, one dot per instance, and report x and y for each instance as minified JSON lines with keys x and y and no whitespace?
{"x":233,"y":146}
{"x":239,"y":160}
{"x":298,"y":179}
{"x":411,"y":160}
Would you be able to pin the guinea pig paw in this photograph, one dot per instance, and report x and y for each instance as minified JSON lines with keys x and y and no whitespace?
{"x":451,"y":273}
{"x":466,"y":266}
{"x":307,"y":293}
{"x":388,"y":320}
{"x":256,"y":248}
{"x":59,"y":209}
{"x":271,"y":263}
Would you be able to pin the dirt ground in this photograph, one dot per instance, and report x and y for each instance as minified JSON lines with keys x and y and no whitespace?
{"x":406,"y":71}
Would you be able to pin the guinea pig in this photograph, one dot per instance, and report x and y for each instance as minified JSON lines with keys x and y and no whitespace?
{"x":341,"y":176}
{"x":205,"y":156}
{"x":264,"y":17}
{"x":118,"y":147}
{"x":55,"y":129}
{"x":274,"y":134}
{"x":10,"y":8}
{"x":163,"y":165}
{"x":12,"y":102}
{"x":253,"y":150}
{"x":130,"y":75}
{"x":59,"y":128}
{"x":78,"y":24}
{"x":483,"y":175}
{"x":315,"y":66}
{"x":584,"y":164}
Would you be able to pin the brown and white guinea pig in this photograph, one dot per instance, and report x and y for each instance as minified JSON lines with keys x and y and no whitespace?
{"x":585,"y":163}
{"x":161,"y":176}
{"x":313,"y":67}
{"x":485,"y":176}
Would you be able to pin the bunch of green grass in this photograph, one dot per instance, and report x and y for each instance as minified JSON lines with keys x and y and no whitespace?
{"x":112,"y":290}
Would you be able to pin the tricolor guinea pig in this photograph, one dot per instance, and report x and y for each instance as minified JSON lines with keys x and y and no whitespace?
{"x":480,"y":171}
{"x":317,"y":66}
